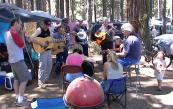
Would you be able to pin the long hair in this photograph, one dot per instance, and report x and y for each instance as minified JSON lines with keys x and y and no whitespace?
{"x":112,"y":58}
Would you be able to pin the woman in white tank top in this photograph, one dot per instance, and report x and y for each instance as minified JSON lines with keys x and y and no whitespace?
{"x":112,"y":69}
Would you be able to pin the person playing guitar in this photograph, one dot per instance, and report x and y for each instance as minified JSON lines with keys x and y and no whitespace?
{"x":61,"y":47}
{"x":107,"y":43}
{"x":45,"y":59}
{"x":117,"y":45}
{"x":81,"y":35}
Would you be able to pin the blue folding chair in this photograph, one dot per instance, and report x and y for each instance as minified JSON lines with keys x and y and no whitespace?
{"x":116,"y":90}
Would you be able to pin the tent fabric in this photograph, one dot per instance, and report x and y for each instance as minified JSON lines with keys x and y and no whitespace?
{"x":11,"y":11}
{"x":48,"y":103}
{"x":4,"y":27}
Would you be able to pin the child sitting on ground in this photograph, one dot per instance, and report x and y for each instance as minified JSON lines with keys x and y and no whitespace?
{"x":160,"y":68}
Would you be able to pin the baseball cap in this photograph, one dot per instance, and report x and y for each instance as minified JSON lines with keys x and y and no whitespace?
{"x":116,"y":37}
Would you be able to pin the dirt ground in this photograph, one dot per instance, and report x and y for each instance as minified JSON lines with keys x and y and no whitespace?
{"x":146,"y":98}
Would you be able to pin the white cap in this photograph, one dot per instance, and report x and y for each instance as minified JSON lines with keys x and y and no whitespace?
{"x":127,"y":27}
{"x":116,"y":37}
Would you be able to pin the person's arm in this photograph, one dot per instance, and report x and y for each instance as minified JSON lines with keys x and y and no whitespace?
{"x":22,"y":34}
{"x":120,"y":68}
{"x":33,"y":37}
{"x":89,"y":59}
{"x":165,"y":67}
{"x":122,"y":54}
{"x":105,"y":69}
{"x":126,"y":48}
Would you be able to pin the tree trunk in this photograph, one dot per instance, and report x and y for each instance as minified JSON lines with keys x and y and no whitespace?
{"x":32,"y":4}
{"x":112,"y":10}
{"x":133,"y":8}
{"x":39,"y":5}
{"x":19,"y":3}
{"x":122,"y":10}
{"x":118,"y":9}
{"x":172,"y":14}
{"x":12,"y":1}
{"x":164,"y":17}
{"x":49,"y":6}
{"x":144,"y":27}
{"x":57,"y":8}
{"x":89,"y":8}
{"x":104,"y":8}
{"x":25,"y":4}
{"x":3,"y":1}
{"x":67,"y":8}
{"x":152,"y":8}
{"x":44,"y":5}
{"x":160,"y":8}
{"x":95,"y":11}
{"x":138,"y":13}
{"x":73,"y":9}
{"x":61,"y":8}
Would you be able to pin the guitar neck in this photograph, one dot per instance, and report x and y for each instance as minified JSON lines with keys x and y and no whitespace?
{"x":58,"y":40}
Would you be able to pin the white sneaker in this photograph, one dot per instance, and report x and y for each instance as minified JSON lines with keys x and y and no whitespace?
{"x":42,"y":86}
{"x":24,"y":103}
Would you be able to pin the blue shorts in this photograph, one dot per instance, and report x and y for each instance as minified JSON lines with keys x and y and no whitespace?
{"x":125,"y":61}
{"x":70,"y":77}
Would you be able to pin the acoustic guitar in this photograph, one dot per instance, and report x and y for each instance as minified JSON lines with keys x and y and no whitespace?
{"x":101,"y":36}
{"x":50,"y":44}
{"x":58,"y":48}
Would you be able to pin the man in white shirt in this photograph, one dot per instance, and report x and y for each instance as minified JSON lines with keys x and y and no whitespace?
{"x":15,"y":44}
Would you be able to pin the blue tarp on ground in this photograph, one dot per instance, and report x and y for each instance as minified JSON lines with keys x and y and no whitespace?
{"x":48,"y":103}
{"x":3,"y":28}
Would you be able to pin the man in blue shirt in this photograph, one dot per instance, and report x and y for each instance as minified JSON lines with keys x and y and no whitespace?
{"x":131,"y":53}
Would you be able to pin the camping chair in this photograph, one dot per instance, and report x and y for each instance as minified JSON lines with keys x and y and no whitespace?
{"x":116,"y":90}
{"x":68,"y":69}
{"x":136,"y":68}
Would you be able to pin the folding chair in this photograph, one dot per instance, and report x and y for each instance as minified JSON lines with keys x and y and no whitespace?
{"x":136,"y":68}
{"x":116,"y":90}
{"x":68,"y":69}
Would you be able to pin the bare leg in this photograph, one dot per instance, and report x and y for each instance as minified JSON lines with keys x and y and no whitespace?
{"x":22,"y":88}
{"x":16,"y":87}
{"x":159,"y":85}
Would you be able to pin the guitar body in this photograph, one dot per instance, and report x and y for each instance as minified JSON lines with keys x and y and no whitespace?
{"x":101,"y":36}
{"x":40,"y":49}
{"x":58,"y":48}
